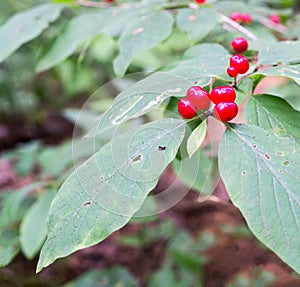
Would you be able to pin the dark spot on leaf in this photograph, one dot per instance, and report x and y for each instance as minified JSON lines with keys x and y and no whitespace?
{"x":280,"y":171}
{"x":280,"y":153}
{"x":254,"y":146}
{"x":286,"y":162}
{"x":161,"y":147}
{"x":244,"y":172}
{"x":137,"y":158}
{"x":267,"y":156}
{"x":87,"y":203}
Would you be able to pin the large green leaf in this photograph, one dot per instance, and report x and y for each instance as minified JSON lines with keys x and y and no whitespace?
{"x":260,"y":169}
{"x":274,"y":113}
{"x":140,"y":98}
{"x":25,"y":26}
{"x":141,"y":34}
{"x":284,"y":52}
{"x":199,"y":63}
{"x":113,"y":277}
{"x":197,"y":23}
{"x":84,"y":28}
{"x":105,"y":191}
{"x":288,"y":71}
{"x":33,"y":229}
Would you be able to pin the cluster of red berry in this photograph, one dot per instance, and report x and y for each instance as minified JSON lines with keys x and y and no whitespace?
{"x":242,"y":18}
{"x":223,"y":97}
{"x":238,"y":64}
{"x":199,"y":99}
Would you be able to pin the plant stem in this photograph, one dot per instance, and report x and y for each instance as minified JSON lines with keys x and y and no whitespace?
{"x":238,"y":27}
{"x":276,"y":27}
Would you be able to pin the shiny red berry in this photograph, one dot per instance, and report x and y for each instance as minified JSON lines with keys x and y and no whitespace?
{"x":225,"y":111}
{"x":232,"y":72}
{"x":236,"y":17}
{"x":186,"y":109}
{"x":240,"y":63}
{"x":200,"y":1}
{"x":246,"y":18}
{"x":199,"y":97}
{"x":222,"y":94}
{"x":275,"y":18}
{"x":239,"y":45}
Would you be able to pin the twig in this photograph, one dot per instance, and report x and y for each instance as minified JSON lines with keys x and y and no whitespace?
{"x":93,"y":4}
{"x":276,"y":27}
{"x":238,"y":27}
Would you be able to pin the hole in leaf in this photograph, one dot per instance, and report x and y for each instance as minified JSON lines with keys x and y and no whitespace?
{"x":244,"y":172}
{"x":254,"y":146}
{"x":137,"y":158}
{"x":267,"y":156}
{"x":161,"y":147}
{"x":286,"y":162}
{"x":87,"y":203}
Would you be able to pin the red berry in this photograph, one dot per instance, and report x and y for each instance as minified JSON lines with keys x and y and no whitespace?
{"x":109,"y":1}
{"x":240,"y":63}
{"x":186,"y":109}
{"x":246,"y":18}
{"x":239,"y":45}
{"x":232,"y":72}
{"x":222,"y":94}
{"x":225,"y":111}
{"x":236,"y":17}
{"x":200,"y":1}
{"x":275,"y":18}
{"x":199,"y":97}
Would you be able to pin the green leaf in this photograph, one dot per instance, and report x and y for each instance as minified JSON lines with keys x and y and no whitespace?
{"x":9,"y":247}
{"x":197,"y":23}
{"x":260,"y":169}
{"x":198,"y":64}
{"x":113,"y":277}
{"x":84,"y":28}
{"x":141,"y":34}
{"x":204,"y":60}
{"x":288,"y":71}
{"x":273,"y":113}
{"x":196,"y":138}
{"x":140,"y":98}
{"x":284,"y":52}
{"x":25,"y":26}
{"x":79,"y":30}
{"x":11,"y":206}
{"x":98,"y":198}
{"x":33,"y":229}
